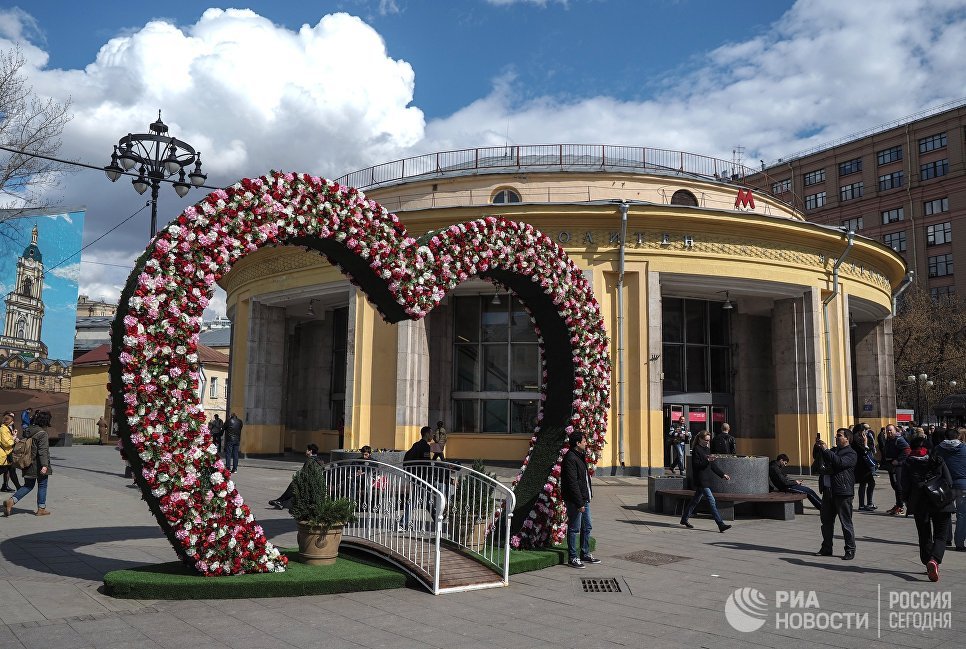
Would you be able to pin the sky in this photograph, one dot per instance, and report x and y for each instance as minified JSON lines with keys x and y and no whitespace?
{"x":58,"y":238}
{"x":331,"y":87}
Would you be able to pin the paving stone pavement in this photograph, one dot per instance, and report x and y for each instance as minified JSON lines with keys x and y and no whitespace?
{"x":51,"y":571}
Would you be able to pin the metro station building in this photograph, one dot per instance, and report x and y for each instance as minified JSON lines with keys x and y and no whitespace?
{"x":722,"y":304}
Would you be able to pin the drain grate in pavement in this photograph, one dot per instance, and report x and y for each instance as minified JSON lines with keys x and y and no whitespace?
{"x":600,"y":585}
{"x":653,"y":558}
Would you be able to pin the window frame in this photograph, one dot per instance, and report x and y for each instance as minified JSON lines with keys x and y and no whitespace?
{"x":929,"y":207}
{"x":894,"y":179}
{"x":814,"y":177}
{"x":900,"y":238}
{"x":850,"y":167}
{"x":900,"y":211}
{"x":934,"y":169}
{"x":947,"y":233}
{"x":781,"y":186}
{"x":938,"y":263}
{"x":854,"y":224}
{"x":932,"y":142}
{"x":851,"y":192}
{"x":819,"y":199}
{"x":505,"y":192}
{"x":888,"y":156}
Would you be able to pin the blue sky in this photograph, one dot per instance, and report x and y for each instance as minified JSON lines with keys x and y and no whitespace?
{"x":330,"y":87}
{"x":58,"y":237}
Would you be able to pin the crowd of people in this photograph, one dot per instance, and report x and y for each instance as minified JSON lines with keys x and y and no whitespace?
{"x":25,"y":449}
{"x":926,"y":468}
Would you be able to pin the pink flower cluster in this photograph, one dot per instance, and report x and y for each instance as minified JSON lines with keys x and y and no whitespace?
{"x":171,"y":285}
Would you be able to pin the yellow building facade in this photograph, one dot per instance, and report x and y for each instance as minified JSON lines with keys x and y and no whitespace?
{"x":721,"y":305}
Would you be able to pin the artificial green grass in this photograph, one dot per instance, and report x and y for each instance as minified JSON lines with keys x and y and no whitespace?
{"x":174,"y":580}
{"x":350,"y":573}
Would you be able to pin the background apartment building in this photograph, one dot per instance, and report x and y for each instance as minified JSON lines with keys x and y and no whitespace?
{"x":903,"y":184}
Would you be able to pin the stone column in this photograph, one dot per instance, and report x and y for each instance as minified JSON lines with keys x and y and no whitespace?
{"x":265,"y":377}
{"x":754,"y":380}
{"x":799,"y":388}
{"x":412,"y":379}
{"x":875,"y":386}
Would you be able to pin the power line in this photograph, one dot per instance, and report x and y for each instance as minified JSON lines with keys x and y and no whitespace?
{"x":65,"y":259}
{"x":84,"y":164}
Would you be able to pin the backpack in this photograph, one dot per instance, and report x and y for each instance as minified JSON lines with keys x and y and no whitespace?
{"x":22,"y":454}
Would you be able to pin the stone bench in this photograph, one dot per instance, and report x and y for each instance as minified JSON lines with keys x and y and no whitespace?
{"x":779,"y":505}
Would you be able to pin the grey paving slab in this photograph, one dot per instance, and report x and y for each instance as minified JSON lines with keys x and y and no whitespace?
{"x":52,"y":569}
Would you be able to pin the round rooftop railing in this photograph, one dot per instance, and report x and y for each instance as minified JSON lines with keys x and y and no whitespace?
{"x":571,"y":157}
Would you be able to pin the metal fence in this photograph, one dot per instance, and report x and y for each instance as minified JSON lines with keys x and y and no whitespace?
{"x":409,"y":512}
{"x":588,"y":156}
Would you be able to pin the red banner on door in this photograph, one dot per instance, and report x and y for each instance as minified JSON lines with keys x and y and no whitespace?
{"x":699,"y":416}
{"x":717,"y":416}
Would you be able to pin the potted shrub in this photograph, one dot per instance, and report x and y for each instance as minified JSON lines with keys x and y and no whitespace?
{"x":320,"y":517}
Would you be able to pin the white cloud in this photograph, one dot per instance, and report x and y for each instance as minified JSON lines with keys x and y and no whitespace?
{"x":70,"y":272}
{"x":537,"y":3}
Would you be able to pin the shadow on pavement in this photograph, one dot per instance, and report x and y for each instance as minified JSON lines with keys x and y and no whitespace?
{"x":759,"y":548}
{"x":841,"y":566}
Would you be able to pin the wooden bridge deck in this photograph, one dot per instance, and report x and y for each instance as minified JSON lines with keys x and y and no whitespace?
{"x":457,"y":571}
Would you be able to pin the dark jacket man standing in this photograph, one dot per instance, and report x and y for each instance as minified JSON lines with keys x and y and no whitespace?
{"x":837,"y":484}
{"x":724,"y":442}
{"x":576,"y":491}
{"x":233,"y":429}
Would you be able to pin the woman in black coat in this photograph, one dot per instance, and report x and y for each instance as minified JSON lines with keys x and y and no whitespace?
{"x":933,"y":523}
{"x":864,"y":477}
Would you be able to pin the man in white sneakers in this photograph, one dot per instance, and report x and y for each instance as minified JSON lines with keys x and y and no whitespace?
{"x":577,"y":492}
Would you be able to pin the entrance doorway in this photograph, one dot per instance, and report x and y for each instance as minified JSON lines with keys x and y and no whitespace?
{"x":698,"y":417}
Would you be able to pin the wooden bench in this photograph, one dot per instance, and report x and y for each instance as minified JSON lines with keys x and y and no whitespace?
{"x":780,"y":505}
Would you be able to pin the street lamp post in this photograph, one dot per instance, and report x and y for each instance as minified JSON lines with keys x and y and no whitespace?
{"x":158,"y":156}
{"x":922,"y":382}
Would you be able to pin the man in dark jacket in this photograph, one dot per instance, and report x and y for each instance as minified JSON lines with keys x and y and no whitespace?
{"x":837,"y":484}
{"x":724,"y":442}
{"x":933,"y":520}
{"x":702,"y":462}
{"x":576,"y":491}
{"x":233,"y":429}
{"x":778,"y":477}
{"x":953,"y":452}
{"x":894,"y":450}
{"x":216,"y":428}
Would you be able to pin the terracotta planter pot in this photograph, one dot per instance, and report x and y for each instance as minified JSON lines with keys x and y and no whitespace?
{"x":318,"y":547}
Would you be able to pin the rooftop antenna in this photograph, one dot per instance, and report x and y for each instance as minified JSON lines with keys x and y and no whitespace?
{"x":736,"y":155}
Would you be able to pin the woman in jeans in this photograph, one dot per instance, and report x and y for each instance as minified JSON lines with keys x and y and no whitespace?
{"x":864,"y":477}
{"x":39,"y":469}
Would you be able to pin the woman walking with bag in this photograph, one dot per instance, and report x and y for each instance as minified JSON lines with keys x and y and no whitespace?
{"x":920,"y":476}
{"x":39,"y":469}
{"x":7,"y":438}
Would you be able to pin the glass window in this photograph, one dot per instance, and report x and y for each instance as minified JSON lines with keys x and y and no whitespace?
{"x":895,"y":240}
{"x":466,"y":416}
{"x":699,"y":361}
{"x":696,"y":312}
{"x":467,"y":362}
{"x":892,"y":216}
{"x":932,"y":143}
{"x":853,"y":224}
{"x":886,"y":156}
{"x":495,"y":357}
{"x":849,"y":192}
{"x":523,"y":416}
{"x":891,"y":181}
{"x":781,"y":186}
{"x":814,"y":177}
{"x":495,"y":415}
{"x":673,"y":326}
{"x":934,"y":169}
{"x":850,"y":167}
{"x":941,"y":292}
{"x":935,"y":207}
{"x":213,"y":388}
{"x":939,"y":234}
{"x":506,"y":196}
{"x":941,"y":265}
{"x":815,"y":201}
{"x":684,"y":197}
{"x":673,"y":367}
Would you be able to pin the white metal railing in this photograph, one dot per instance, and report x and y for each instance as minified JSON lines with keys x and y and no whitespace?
{"x":395,"y":509}
{"x":410,"y":511}
{"x":478,"y":511}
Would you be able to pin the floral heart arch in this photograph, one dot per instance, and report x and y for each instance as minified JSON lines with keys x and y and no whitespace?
{"x":155,"y":366}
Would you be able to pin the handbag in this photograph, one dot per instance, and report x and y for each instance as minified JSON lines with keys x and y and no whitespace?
{"x":937,"y":490}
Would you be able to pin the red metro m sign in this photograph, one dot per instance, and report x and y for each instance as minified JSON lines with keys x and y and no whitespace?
{"x":744,"y":199}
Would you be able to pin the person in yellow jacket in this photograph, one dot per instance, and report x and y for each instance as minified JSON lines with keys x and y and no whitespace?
{"x":7,"y":438}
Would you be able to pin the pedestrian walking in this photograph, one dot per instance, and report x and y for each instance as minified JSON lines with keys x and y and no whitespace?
{"x":933,"y":519}
{"x":233,"y":431}
{"x":837,"y":486}
{"x":953,"y":452}
{"x":577,"y":493}
{"x":438,"y":446}
{"x":8,"y":435}
{"x":678,"y":438}
{"x":895,"y":450}
{"x":702,"y":461}
{"x":38,"y":471}
{"x":724,"y":442}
